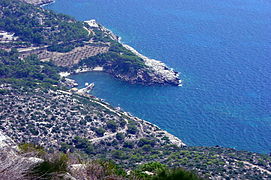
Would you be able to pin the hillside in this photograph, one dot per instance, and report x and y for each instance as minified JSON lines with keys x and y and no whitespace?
{"x":50,"y":128}
{"x":37,"y":108}
{"x":75,"y":45}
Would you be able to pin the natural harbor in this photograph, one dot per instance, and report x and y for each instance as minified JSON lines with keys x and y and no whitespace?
{"x":42,"y":115}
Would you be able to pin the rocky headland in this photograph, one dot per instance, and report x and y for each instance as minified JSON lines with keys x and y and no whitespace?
{"x":154,"y":71}
{"x":37,"y":107}
{"x":38,"y":2}
{"x":96,"y":43}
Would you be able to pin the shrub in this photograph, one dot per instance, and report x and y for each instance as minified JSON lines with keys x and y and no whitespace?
{"x":50,"y":167}
{"x":146,"y":147}
{"x":128,"y":144}
{"x":179,"y":174}
{"x":112,"y":125}
{"x":100,"y":131}
{"x":118,"y":154}
{"x":31,"y":148}
{"x":132,"y":129}
{"x":144,"y":141}
{"x":120,"y":136}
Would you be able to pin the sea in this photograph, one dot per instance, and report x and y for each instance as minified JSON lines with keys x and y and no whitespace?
{"x":222,"y":49}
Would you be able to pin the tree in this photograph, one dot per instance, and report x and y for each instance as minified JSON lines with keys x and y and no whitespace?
{"x":100,"y":131}
{"x":144,"y":141}
{"x":120,"y":136}
{"x":132,"y":129}
{"x":111,"y":125}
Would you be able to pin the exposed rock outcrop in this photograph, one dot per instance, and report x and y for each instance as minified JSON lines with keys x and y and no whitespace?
{"x":13,"y":166}
{"x":144,"y":76}
{"x":156,"y":72}
{"x":38,"y":2}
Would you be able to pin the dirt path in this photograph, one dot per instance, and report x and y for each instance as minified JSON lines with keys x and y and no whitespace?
{"x":257,"y":167}
{"x":112,"y":134}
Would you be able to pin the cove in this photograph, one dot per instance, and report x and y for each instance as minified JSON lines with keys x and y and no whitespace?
{"x":223,"y":51}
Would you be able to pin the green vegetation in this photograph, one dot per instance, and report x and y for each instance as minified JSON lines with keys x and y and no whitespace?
{"x":120,"y":136}
{"x":118,"y":59}
{"x":28,"y":148}
{"x":65,"y":122}
{"x":57,"y":165}
{"x":132,"y":129}
{"x":39,"y":26}
{"x":28,"y":73}
{"x":174,"y":174}
{"x":99,"y":131}
{"x":51,"y":167}
{"x":112,"y":125}
{"x":100,"y":36}
{"x":65,"y":47}
{"x":83,"y":145}
{"x":158,"y":171}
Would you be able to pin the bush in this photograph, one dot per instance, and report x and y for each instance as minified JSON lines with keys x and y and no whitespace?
{"x":84,"y":145}
{"x":112,"y":125}
{"x":128,"y":144}
{"x":31,"y":148}
{"x":120,"y":136}
{"x":50,"y":167}
{"x":132,"y":129}
{"x":176,"y":174}
{"x":118,"y":154}
{"x":144,"y":141}
{"x":162,"y":172}
{"x":146,"y":147}
{"x":100,"y":131}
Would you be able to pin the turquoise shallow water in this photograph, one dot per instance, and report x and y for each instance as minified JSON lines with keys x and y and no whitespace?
{"x":222,"y":49}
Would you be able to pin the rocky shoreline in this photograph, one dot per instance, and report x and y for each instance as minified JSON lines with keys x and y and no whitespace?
{"x":158,"y":72}
{"x":158,"y":69}
{"x":38,"y":2}
{"x":154,"y":72}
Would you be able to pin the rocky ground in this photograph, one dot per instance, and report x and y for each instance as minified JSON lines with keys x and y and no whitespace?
{"x":54,"y":117}
{"x":61,"y":120}
{"x":70,"y":122}
{"x":38,"y":2}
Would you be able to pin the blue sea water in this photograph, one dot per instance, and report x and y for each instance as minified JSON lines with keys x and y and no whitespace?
{"x":222,"y":49}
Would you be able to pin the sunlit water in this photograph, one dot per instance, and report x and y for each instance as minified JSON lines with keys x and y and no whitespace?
{"x":222,"y":49}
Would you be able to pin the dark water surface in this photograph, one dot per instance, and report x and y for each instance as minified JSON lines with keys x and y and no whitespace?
{"x":222,"y":49}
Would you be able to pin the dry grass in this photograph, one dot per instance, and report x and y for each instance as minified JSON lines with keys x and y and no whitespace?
{"x":95,"y":170}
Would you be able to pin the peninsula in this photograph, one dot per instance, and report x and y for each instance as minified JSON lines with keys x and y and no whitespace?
{"x":48,"y":130}
{"x":77,"y":46}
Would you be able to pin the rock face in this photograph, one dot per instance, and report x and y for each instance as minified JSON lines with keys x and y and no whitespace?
{"x":6,"y":142}
{"x":13,"y":165}
{"x":38,"y":2}
{"x":145,"y":77}
{"x":159,"y":73}
{"x":156,"y":72}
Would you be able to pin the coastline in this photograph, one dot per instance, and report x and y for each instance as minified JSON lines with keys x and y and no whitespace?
{"x":158,"y":67}
{"x":46,"y":111}
{"x":45,"y":4}
{"x":151,"y":63}
{"x":173,"y":139}
{"x":154,"y":72}
{"x":40,"y":3}
{"x":160,"y":73}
